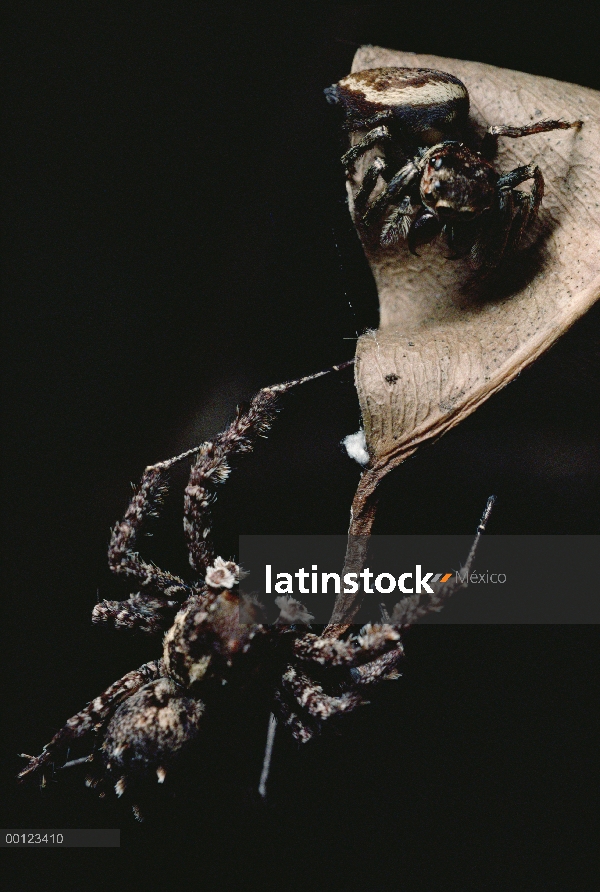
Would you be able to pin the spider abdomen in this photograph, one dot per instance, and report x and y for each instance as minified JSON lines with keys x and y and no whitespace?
{"x":149,"y":730}
{"x":426,"y":104}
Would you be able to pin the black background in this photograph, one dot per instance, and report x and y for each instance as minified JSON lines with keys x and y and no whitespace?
{"x":177,"y":238}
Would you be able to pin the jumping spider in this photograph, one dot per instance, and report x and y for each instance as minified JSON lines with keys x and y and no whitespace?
{"x":142,"y":723}
{"x":433,"y":182}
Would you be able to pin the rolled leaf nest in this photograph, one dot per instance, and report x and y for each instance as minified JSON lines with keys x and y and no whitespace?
{"x":448,"y":339}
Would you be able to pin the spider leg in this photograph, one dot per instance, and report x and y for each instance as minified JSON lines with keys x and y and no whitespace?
{"x":371,"y":641}
{"x":141,"y":612}
{"x":384,"y":668}
{"x":351,"y":124}
{"x":490,"y":246}
{"x":212,"y":464}
{"x":527,"y":205}
{"x":396,"y":189}
{"x":490,"y":140}
{"x":520,"y":175}
{"x":377,"y":169}
{"x":377,"y":135}
{"x":398,"y":224}
{"x":412,"y":608}
{"x":122,"y":556}
{"x":302,"y":729}
{"x":311,"y":696}
{"x":369,"y":657}
{"x":94,"y":715}
{"x":514,"y":213}
{"x":325,"y":651}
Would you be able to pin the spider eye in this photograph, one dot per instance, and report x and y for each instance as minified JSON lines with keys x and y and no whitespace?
{"x":437,"y":163}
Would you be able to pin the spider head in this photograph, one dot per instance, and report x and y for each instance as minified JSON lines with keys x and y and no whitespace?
{"x":457,"y":184}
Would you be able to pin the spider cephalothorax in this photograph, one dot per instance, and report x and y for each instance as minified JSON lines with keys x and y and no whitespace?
{"x":413,"y":119}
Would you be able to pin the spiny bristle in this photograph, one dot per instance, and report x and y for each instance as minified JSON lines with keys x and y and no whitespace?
{"x":137,"y":813}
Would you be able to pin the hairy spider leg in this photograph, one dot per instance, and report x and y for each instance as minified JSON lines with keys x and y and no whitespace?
{"x":384,"y":668}
{"x":372,"y":656}
{"x":212,"y":464}
{"x":302,"y":703}
{"x":152,"y":611}
{"x":122,"y":556}
{"x":489,"y":144}
{"x":520,"y":175}
{"x":310,"y":696}
{"x":371,"y":642}
{"x":377,"y":169}
{"x":398,"y":224}
{"x":514,"y":213}
{"x":397,"y":187}
{"x":377,"y":135}
{"x":303,"y":729}
{"x":95,"y":715}
{"x":352,"y":123}
{"x":141,"y":612}
{"x":527,"y":205}
{"x":412,"y":608}
{"x":490,"y":245}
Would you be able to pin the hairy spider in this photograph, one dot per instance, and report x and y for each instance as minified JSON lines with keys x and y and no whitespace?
{"x":434,"y":183}
{"x":143,"y":721}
